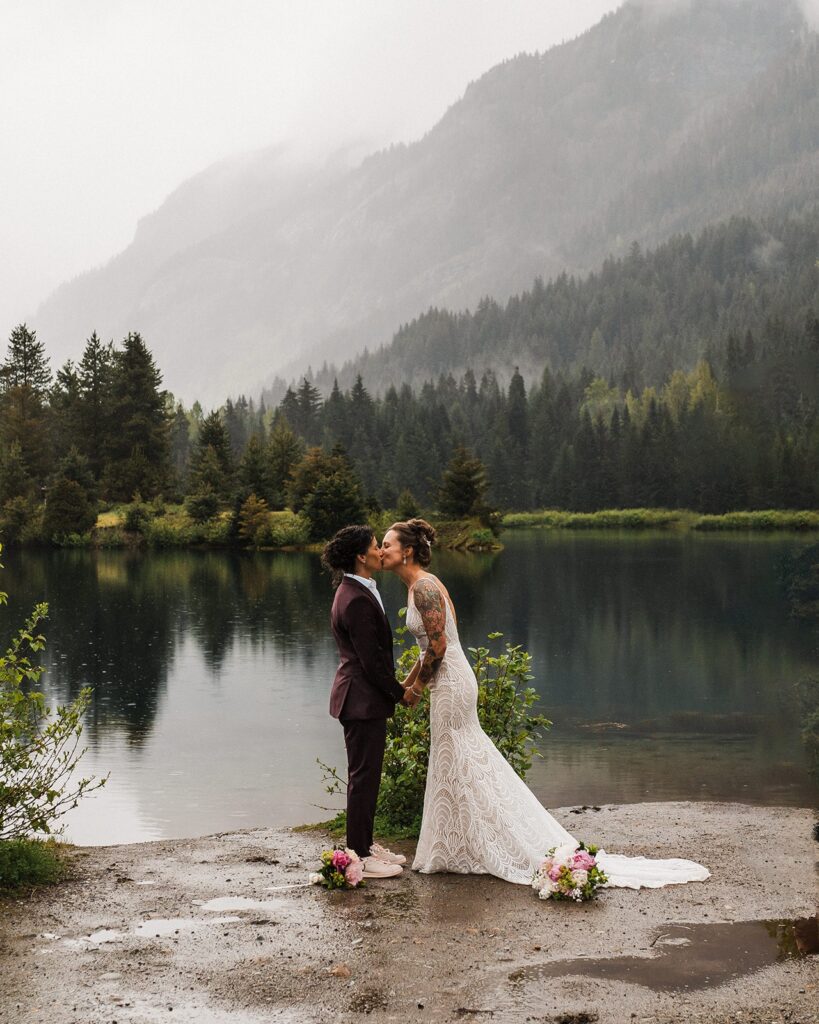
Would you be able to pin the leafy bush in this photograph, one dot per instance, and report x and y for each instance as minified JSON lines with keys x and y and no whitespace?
{"x":168,"y":533}
{"x":28,"y":862}
{"x":285,"y":529}
{"x":137,"y":518}
{"x":505,"y":704}
{"x":202,"y":506}
{"x":73,"y":540}
{"x":39,"y":747}
{"x":218,"y":530}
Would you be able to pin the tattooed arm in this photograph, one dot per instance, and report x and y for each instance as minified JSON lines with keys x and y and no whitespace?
{"x":430,"y":603}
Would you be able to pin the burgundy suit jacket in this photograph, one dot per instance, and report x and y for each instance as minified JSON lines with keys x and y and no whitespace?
{"x":365,"y":685}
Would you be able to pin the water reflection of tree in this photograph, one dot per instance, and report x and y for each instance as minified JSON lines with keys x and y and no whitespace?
{"x":637,"y":628}
{"x":109,"y":632}
{"x":795,"y":938}
{"x":643,"y":627}
{"x":800,"y":579}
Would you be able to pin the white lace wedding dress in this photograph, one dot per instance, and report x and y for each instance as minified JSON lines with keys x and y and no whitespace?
{"x":479,"y":816}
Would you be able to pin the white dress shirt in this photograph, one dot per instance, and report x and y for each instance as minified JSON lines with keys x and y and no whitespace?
{"x":370,"y":585}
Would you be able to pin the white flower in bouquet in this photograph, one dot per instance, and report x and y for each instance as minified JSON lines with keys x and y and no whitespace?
{"x":564,"y":853}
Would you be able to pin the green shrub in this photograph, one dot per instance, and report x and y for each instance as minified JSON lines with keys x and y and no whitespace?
{"x":73,"y":540}
{"x":202,"y":506}
{"x":68,"y":510}
{"x":162,"y":533}
{"x":505,"y":704}
{"x":285,"y":529}
{"x":28,"y":862}
{"x":39,"y":745}
{"x":137,"y":518}
{"x":218,"y":530}
{"x":767,"y":519}
{"x":21,"y":520}
{"x":382,"y":521}
{"x":110,"y":537}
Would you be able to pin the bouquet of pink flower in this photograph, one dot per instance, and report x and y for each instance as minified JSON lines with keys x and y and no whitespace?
{"x":340,"y":869}
{"x":569,"y":872}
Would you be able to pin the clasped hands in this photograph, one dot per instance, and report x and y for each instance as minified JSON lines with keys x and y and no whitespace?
{"x":412,"y":695}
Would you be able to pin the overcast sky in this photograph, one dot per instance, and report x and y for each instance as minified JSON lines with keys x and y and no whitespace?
{"x":107,"y":105}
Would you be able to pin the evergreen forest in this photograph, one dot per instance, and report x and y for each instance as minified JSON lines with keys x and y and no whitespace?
{"x":686,"y":377}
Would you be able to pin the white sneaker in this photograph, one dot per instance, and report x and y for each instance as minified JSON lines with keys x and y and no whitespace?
{"x":374,"y":868}
{"x":382,"y":853}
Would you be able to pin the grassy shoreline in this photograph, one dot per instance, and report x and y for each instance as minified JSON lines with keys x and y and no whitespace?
{"x":766,"y":520}
{"x":131,"y":525}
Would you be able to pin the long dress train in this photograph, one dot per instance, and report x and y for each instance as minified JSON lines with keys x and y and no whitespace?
{"x":479,"y":816}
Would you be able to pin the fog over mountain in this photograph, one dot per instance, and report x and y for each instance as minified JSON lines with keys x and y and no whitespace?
{"x":663,"y":117}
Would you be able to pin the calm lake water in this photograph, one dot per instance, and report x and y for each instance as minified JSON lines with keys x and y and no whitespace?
{"x":668,"y":664}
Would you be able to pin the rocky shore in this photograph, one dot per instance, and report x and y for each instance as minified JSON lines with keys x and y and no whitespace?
{"x":223,"y":929}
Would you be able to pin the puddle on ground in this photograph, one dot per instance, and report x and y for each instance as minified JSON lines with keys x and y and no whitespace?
{"x":160,"y":927}
{"x":97,"y":938}
{"x":227,"y":903}
{"x":697,"y":955}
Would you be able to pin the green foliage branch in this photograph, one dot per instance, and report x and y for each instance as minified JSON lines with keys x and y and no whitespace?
{"x":39,"y":746}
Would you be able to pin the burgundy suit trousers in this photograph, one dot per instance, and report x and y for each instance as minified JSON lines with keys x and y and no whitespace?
{"x":365,"y":740}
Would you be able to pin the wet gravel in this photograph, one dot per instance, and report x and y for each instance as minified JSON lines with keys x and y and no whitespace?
{"x":222,"y":929}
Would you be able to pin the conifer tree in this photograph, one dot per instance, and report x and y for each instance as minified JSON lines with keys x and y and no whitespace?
{"x":25,"y":379}
{"x":463,"y":485}
{"x":95,"y":376}
{"x":138,"y":449}
{"x":254,"y":471}
{"x":284,"y":451}
{"x":212,"y":461}
{"x":15,"y":479}
{"x":180,"y":445}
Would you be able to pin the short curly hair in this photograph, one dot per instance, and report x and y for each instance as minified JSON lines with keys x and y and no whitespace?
{"x":340,"y":553}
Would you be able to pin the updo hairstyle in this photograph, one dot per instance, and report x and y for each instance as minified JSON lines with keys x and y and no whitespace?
{"x":418,"y":535}
{"x":340,"y":553}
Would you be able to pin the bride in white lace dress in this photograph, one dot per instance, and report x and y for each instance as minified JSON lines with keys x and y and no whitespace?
{"x":479,"y":816}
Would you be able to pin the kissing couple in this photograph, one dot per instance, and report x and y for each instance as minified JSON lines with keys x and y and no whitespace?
{"x":479,"y":816}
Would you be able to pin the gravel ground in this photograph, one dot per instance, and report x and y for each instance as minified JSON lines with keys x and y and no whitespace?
{"x":220,"y":929}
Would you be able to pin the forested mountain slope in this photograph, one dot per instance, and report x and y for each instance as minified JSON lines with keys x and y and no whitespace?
{"x":637,"y":319}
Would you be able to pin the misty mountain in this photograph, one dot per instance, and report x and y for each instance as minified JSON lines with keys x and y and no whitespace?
{"x":643,"y":126}
{"x":634,"y":322}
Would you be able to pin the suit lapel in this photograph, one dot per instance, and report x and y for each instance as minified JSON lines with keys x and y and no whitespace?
{"x":369,"y":593}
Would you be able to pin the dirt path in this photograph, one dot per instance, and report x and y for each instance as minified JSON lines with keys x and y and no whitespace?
{"x":135,"y":937}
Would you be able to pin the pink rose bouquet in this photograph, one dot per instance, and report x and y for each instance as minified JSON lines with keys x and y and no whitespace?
{"x":569,"y":872}
{"x":340,"y":869}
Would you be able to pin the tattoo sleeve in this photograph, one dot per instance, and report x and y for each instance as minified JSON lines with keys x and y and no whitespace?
{"x":430,"y":604}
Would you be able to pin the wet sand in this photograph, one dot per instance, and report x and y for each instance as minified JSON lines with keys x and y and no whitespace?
{"x":202,"y":931}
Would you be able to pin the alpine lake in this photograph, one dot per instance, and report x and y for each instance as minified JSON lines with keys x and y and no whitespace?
{"x":669,"y":663}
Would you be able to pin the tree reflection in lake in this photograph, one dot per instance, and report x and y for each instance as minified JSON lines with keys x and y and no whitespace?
{"x":668,"y":664}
